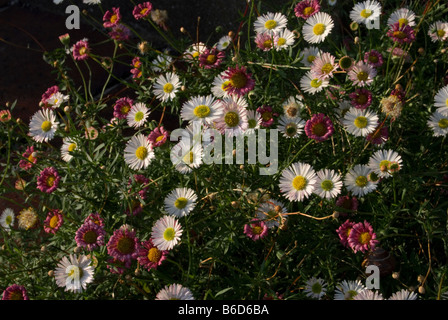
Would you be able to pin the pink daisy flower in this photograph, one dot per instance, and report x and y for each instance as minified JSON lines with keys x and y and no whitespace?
{"x":5,"y":115}
{"x":267,"y":116}
{"x":48,"y":94}
{"x":90,"y":236}
{"x":122,"y":107}
{"x":324,"y":66}
{"x":344,"y":232}
{"x":240,"y":81}
{"x":319,"y":127}
{"x":361,"y":98}
{"x":53,"y":221}
{"x":123,"y":244}
{"x":306,"y":8}
{"x":362,"y":238}
{"x":211,"y":58}
{"x":378,"y":137}
{"x":15,"y":292}
{"x":256,"y":229}
{"x":81,"y":49}
{"x":362,"y":74}
{"x":95,"y":218}
{"x":374,"y":58}
{"x":111,"y":18}
{"x":118,"y":267}
{"x":142,"y":10}
{"x":149,"y":256}
{"x":29,"y":160}
{"x":401,"y":33}
{"x":158,"y":136}
{"x":347,"y":203}
{"x":48,"y":180}
{"x":265,"y":40}
{"x":120,"y":32}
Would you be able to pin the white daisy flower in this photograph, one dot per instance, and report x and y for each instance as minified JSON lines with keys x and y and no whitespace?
{"x":357,"y":180}
{"x":362,"y":74}
{"x":74,"y":274}
{"x":68,"y":146}
{"x":180,"y":202}
{"x":346,"y":290}
{"x":7,"y":219}
{"x":328,"y":184}
{"x":175,"y":292}
{"x":366,"y":11}
{"x":43,"y":125}
{"x":218,"y":86}
{"x":438,"y":124}
{"x":360,"y":122}
{"x":166,"y":233}
{"x":194,"y":51}
{"x":205,"y":109}
{"x":403,"y":294}
{"x":290,"y":127}
{"x":298,"y":181}
{"x":284,"y":40}
{"x":292,"y":106}
{"x":223,"y":43}
{"x":441,"y":101}
{"x":270,"y":22}
{"x":138,"y":152}
{"x":57,"y":99}
{"x":272,"y":212}
{"x":438,"y":31}
{"x":161,"y":63}
{"x":317,"y":27}
{"x":186,"y":156}
{"x":138,"y":114}
{"x":381,"y":160}
{"x":324,"y":66}
{"x":166,"y":86}
{"x":233,"y":119}
{"x":311,"y":84}
{"x":253,"y":121}
{"x":403,"y":16}
{"x":368,"y":294}
{"x":342,"y":108}
{"x":315,"y":288}
{"x":309,"y":55}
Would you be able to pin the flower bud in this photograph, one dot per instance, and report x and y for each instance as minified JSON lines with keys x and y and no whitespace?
{"x":421,"y":290}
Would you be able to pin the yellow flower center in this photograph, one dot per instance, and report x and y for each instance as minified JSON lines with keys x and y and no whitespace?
{"x":281,"y":42}
{"x":270,"y":24}
{"x":50,"y":181}
{"x":361,"y":181}
{"x":8,"y":220}
{"x":189,"y":157}
{"x":139,"y":116}
{"x":195,"y":54}
{"x":316,"y":83}
{"x":362,"y":76}
{"x":238,"y":80}
{"x":327,"y":185}
{"x":90,"y":237}
{"x":16,"y":295}
{"x":46,"y":126}
{"x":319,"y":129}
{"x":225,"y":85}
{"x":75,"y":270}
{"x":403,"y":21}
{"x":82,"y":50}
{"x":364,"y":238}
{"x":327,"y":68}
{"x":168,"y":88}
{"x":159,"y":138}
{"x":308,"y":10}
{"x":266,"y":116}
{"x":231,"y":119}
{"x":361,"y":99}
{"x":361,"y":122}
{"x":141,"y":153}
{"x":399,"y":34}
{"x":366,"y":13}
{"x":125,"y":109}
{"x":211,"y":59}
{"x":169,"y":234}
{"x":267,"y":44}
{"x":443,"y":123}
{"x":181,"y":202}
{"x":154,"y":255}
{"x":441,"y":33}
{"x":143,"y":11}
{"x":54,"y":222}
{"x":299,"y":183}
{"x":311,"y":58}
{"x":126,"y":245}
{"x":257,"y":230}
{"x":114,"y":18}
{"x":201,"y":111}
{"x":71,"y":147}
{"x":384,"y":165}
{"x":319,"y":29}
